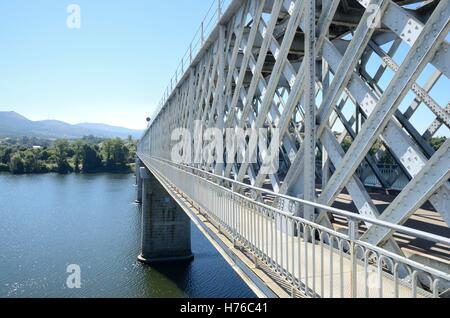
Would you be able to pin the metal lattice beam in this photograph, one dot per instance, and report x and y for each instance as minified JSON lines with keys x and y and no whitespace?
{"x":298,"y":66}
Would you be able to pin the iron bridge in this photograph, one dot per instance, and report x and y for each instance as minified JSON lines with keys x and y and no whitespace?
{"x":358,"y":90}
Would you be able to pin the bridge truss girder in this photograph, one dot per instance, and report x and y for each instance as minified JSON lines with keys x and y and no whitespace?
{"x":299,"y":66}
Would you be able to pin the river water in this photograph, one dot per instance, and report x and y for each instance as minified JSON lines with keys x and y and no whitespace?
{"x":48,"y":222}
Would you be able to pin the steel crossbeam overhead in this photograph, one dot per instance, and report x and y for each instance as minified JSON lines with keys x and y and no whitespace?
{"x":423,"y":50}
{"x":349,"y":85}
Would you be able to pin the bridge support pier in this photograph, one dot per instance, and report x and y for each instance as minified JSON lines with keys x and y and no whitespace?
{"x":138,"y":166}
{"x":166,"y":229}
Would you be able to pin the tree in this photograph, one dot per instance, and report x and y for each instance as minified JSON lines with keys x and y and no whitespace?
{"x":17,"y":165}
{"x":131,"y":145}
{"x":42,"y":167}
{"x":30,"y":162}
{"x":437,"y":142}
{"x":78,"y":154}
{"x":90,"y":154}
{"x":77,"y":164}
{"x":130,"y":139}
{"x":115,"y":153}
{"x":5,"y":154}
{"x":346,"y":144}
{"x":91,"y":159}
{"x":43,"y":155}
{"x":4,"y":167}
{"x":61,"y":151}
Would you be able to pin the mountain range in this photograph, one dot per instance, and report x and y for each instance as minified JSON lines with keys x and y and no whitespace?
{"x":13,"y":124}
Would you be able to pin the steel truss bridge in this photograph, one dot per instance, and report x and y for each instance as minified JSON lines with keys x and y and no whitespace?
{"x":350,"y":85}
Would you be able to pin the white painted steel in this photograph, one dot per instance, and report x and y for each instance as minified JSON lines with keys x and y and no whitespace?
{"x":336,"y":86}
{"x":325,"y":264}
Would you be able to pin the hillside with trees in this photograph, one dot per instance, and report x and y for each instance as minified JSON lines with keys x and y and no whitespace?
{"x":87,"y":155}
{"x":14,"y":125}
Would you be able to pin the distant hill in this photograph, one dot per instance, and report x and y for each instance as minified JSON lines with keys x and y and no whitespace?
{"x":13,"y":124}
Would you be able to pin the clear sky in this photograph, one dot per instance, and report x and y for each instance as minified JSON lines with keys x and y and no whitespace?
{"x":112,"y":70}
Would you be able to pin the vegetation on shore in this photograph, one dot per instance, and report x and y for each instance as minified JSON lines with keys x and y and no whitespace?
{"x":386,"y":157}
{"x":87,"y":155}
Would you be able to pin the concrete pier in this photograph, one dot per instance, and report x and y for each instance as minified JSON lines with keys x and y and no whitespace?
{"x":166,"y":229}
{"x":138,"y":165}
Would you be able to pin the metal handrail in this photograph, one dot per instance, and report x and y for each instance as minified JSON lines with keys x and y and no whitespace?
{"x":219,"y":212}
{"x":347,"y":214}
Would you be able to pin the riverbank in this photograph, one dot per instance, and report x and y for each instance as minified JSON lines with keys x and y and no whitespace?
{"x":128,"y":170}
{"x":88,"y":155}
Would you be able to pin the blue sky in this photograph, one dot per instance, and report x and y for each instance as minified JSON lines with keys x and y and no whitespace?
{"x":113,"y":70}
{"x":116,"y":67}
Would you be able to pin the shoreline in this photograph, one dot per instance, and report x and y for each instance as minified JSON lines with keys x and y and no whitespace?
{"x":131,"y":171}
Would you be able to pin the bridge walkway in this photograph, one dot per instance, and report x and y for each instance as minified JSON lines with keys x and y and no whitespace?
{"x":305,"y":265}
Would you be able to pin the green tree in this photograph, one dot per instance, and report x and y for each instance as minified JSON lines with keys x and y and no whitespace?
{"x":130,"y":140}
{"x":30,"y":162}
{"x":44,"y":155}
{"x":132,"y":146}
{"x":4,"y":167}
{"x":437,"y":142}
{"x":78,"y":154}
{"x":17,"y":165}
{"x":115,"y":153}
{"x":76,"y":164}
{"x":62,"y":148}
{"x":346,"y":144}
{"x":91,"y":159}
{"x":42,"y":167}
{"x":89,"y":154}
{"x":5,"y":154}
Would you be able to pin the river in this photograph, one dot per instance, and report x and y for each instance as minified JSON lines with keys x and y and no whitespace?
{"x":48,"y":222}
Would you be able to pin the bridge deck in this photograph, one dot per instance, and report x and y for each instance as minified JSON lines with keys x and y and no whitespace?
{"x":317,"y":269}
{"x":424,"y":219}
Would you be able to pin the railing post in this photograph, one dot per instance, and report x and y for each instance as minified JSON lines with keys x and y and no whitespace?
{"x":219,"y":10}
{"x":233,"y":202}
{"x":353,"y":236}
{"x":190,"y":53}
